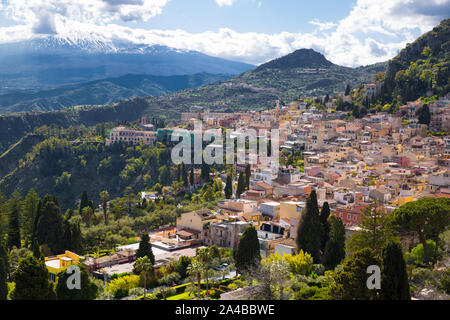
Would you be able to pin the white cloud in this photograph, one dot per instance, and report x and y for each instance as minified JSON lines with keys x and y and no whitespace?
{"x":323,"y":25}
{"x":43,"y":14}
{"x":372,"y":32}
{"x":225,"y":2}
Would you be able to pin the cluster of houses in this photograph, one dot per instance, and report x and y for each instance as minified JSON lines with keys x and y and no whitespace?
{"x":382,"y":159}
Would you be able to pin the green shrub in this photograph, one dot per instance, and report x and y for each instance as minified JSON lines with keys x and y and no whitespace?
{"x":318,"y":269}
{"x":417,"y":255}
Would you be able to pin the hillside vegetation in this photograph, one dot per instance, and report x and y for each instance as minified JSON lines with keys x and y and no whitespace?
{"x":105,"y":91}
{"x":422,"y":66}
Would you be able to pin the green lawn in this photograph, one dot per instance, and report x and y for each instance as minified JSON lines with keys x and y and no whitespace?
{"x":182,"y":296}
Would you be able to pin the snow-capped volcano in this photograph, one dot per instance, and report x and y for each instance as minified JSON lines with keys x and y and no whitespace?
{"x":61,"y":59}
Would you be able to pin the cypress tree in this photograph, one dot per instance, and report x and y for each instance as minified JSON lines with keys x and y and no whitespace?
{"x":229,"y":187}
{"x":325,"y":226}
{"x":32,"y":282}
{"x":347,"y":90}
{"x":50,"y":227}
{"x":145,"y":249}
{"x":394,"y":278}
{"x":35,"y":248}
{"x":335,"y":247}
{"x":84,"y":201}
{"x":248,"y":254}
{"x":184,"y":175}
{"x":308,"y":230}
{"x":248,"y":173}
{"x":241,"y":185}
{"x":205,"y":172}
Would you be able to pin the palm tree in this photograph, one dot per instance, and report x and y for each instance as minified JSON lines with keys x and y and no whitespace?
{"x":206,"y":256}
{"x":142,"y":266}
{"x":104,"y":196}
{"x":196,"y":268}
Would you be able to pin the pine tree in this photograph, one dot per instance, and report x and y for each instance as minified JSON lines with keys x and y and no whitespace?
{"x":32,"y":281}
{"x":350,"y":282}
{"x":248,"y":254}
{"x":308,"y":230}
{"x":325,"y":226}
{"x":229,"y":187}
{"x":394,"y":278}
{"x":13,"y":206}
{"x":335,"y":247}
{"x":145,"y":249}
{"x":30,"y":206}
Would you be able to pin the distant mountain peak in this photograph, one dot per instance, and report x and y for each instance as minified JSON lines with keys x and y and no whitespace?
{"x":302,"y":58}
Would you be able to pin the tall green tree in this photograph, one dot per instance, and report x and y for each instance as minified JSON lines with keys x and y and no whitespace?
{"x":248,"y":255}
{"x":424,"y":114}
{"x":205,"y":170}
{"x":374,"y":231}
{"x":29,"y":212}
{"x":248,"y":174}
{"x":104,"y":196}
{"x":145,"y":249}
{"x":32,"y":281}
{"x":335,"y":247}
{"x":143,"y":266}
{"x":13,"y":206}
{"x":241,"y":185}
{"x":308,"y":230}
{"x":324,"y":226}
{"x":229,"y":187}
{"x":196,"y":268}
{"x":394,"y":278}
{"x":50,"y":227}
{"x":36,"y":249}
{"x":350,"y":282}
{"x":84,"y":201}
{"x":88,"y":289}
{"x":206,"y":256}
{"x":426,"y":218}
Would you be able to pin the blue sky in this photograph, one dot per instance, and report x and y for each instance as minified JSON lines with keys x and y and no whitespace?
{"x":266,"y":16}
{"x":347,"y":32}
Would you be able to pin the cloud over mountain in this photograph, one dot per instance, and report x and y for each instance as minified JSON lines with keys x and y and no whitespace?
{"x":373,"y":31}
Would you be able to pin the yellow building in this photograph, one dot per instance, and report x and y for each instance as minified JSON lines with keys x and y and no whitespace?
{"x":291,"y":209}
{"x":195,"y":220}
{"x":402,"y":200}
{"x":60,"y":263}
